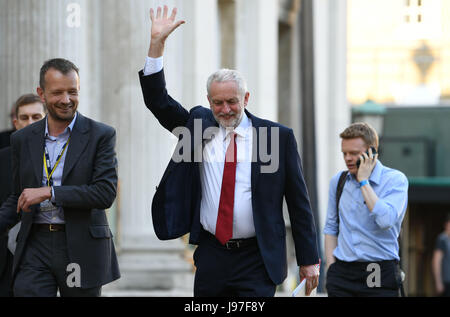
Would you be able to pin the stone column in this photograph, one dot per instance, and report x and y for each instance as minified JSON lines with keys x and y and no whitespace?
{"x":200,"y":50}
{"x":144,"y":147}
{"x":257,"y":53}
{"x":289,"y":94}
{"x":332,"y":109}
{"x":32,"y":32}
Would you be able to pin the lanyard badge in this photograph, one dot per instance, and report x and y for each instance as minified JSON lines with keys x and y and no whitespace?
{"x":48,"y":170}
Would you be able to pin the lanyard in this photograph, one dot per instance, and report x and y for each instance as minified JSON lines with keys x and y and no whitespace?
{"x":48,"y":170}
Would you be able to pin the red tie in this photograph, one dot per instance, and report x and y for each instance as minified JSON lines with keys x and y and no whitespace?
{"x":224,"y":225}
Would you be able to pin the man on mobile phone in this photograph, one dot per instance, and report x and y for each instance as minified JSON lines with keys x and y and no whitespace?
{"x":366,"y":208}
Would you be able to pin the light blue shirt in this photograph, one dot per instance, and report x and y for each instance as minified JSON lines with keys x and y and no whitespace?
{"x":49,"y":213}
{"x":363,"y":235}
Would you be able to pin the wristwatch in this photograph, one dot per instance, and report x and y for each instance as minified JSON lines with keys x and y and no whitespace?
{"x":363,"y":183}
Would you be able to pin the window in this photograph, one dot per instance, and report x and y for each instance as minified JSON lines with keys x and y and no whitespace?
{"x":413,"y":11}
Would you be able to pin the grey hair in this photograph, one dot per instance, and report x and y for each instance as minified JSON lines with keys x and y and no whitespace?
{"x":224,"y":75}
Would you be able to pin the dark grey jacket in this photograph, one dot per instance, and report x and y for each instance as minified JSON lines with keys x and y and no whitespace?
{"x":88,"y":187}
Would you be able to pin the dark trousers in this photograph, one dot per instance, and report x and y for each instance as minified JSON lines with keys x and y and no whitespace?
{"x":44,"y":268}
{"x":6,"y":276}
{"x":446,"y":292}
{"x":223,"y":272}
{"x":357,"y":279}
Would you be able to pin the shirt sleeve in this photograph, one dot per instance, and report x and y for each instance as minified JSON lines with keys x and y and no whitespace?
{"x":331,"y":223}
{"x":392,"y":201}
{"x":153,"y":65}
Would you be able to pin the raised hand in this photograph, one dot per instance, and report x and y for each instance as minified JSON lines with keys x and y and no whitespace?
{"x":162,"y":27}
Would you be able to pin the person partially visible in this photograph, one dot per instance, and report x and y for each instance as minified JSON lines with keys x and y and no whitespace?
{"x":363,"y":226}
{"x":5,"y":135}
{"x":441,"y":261}
{"x":27,"y":110}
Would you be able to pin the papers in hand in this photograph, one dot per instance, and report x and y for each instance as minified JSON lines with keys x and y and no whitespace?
{"x":300,"y":290}
{"x":12,"y":237}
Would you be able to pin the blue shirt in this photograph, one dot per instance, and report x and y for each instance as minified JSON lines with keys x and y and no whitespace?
{"x":363,"y":235}
{"x":48,"y":212}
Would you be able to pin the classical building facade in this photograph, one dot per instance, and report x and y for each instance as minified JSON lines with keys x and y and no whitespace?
{"x":108,"y":41}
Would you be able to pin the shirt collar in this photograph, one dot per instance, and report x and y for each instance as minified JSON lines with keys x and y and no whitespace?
{"x":242,"y":129}
{"x":375,"y":177}
{"x":68,"y":129}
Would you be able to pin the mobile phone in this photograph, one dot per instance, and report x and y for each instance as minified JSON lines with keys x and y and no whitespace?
{"x":374,"y":151}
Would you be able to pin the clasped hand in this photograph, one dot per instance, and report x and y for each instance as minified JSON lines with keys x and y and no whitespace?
{"x":32,"y":196}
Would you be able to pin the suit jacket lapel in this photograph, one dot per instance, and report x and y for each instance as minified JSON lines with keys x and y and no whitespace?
{"x":197,"y":141}
{"x":79,"y":139}
{"x":207,"y":122}
{"x":36,"y":147}
{"x":256,"y":162}
{"x":210,"y":122}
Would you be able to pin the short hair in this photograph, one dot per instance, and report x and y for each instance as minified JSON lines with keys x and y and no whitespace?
{"x":26,"y":100}
{"x":63,"y":65}
{"x":361,"y":130}
{"x":224,"y":75}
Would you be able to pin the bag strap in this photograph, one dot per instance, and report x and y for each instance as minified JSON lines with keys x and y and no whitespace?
{"x":339,"y":190}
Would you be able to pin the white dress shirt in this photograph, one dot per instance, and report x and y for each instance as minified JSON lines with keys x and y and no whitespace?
{"x":153,"y":65}
{"x":211,"y":172}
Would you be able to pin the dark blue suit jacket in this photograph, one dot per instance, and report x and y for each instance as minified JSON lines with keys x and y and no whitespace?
{"x":176,"y":204}
{"x":89,"y":185}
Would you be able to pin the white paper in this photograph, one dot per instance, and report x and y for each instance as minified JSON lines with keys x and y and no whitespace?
{"x":300,"y":290}
{"x":12,"y":237}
